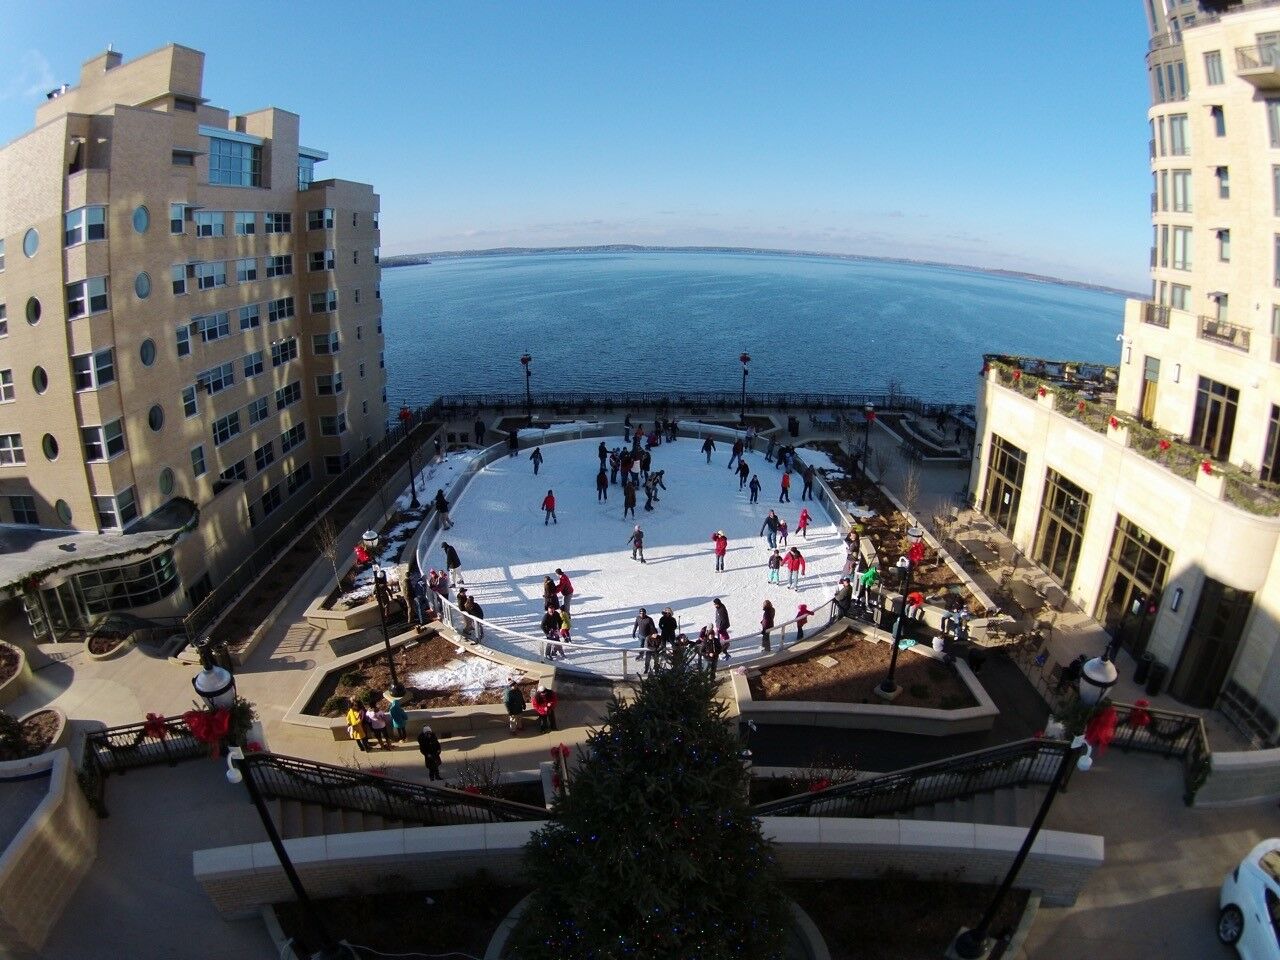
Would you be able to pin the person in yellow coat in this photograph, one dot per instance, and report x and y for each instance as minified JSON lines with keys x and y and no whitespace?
{"x":355,"y":726}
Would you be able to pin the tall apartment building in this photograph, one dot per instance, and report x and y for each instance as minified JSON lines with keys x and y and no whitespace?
{"x":190,"y":340}
{"x":1161,"y":520}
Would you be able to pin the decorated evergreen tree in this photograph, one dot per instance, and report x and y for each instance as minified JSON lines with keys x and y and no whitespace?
{"x":654,"y":853}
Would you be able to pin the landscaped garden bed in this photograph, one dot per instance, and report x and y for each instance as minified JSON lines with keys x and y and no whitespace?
{"x":859,"y":667}
{"x":32,"y":735}
{"x":10,"y":662}
{"x":106,"y":641}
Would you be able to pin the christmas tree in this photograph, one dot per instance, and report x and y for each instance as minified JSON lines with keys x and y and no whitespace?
{"x":654,"y":852}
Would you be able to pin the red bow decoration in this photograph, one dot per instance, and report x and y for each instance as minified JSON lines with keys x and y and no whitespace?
{"x":1139,"y":716}
{"x":560,"y":751}
{"x":1114,"y":423}
{"x":1101,"y":728}
{"x":208,"y":726}
{"x":916,"y":553}
{"x":1207,"y":467}
{"x":1080,"y":406}
{"x":253,"y":746}
{"x":871,"y":416}
{"x":472,"y":789}
{"x":154,"y":726}
{"x":1017,"y":375}
{"x":1041,"y":391}
{"x":915,"y":599}
{"x":820,"y":784}
{"x":1164,"y":445}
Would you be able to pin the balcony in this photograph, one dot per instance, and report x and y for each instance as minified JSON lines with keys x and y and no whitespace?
{"x":1156,"y":314}
{"x":1225,"y":334}
{"x":1259,"y":65}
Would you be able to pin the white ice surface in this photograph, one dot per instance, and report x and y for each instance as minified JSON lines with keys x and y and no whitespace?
{"x":506,"y":551}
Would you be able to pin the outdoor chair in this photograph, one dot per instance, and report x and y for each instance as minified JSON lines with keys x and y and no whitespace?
{"x":1054,"y":678}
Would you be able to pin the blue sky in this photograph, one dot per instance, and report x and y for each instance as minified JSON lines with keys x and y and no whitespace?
{"x":1007,"y":134}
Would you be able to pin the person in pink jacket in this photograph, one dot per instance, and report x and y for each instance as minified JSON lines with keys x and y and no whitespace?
{"x":794,"y":562}
{"x":721,"y":547}
{"x":803,"y":613}
{"x":802,"y":525}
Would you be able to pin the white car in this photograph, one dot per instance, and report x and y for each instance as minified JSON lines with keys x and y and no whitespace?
{"x":1249,"y":904}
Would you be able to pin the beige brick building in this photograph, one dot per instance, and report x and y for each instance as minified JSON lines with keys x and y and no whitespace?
{"x":190,"y":339}
{"x":1159,"y":517}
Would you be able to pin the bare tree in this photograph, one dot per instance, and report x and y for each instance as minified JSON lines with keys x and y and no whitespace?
{"x":879,"y":461}
{"x":325,"y":537}
{"x":911,"y":487}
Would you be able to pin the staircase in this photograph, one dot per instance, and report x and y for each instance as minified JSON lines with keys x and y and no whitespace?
{"x":297,"y":818}
{"x":1007,"y":807}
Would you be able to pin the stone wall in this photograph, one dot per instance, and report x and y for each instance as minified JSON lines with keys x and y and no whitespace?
{"x":1241,"y":777}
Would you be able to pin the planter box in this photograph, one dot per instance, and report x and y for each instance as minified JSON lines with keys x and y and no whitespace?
{"x":16,"y":685}
{"x":61,"y":735}
{"x":117,"y":650}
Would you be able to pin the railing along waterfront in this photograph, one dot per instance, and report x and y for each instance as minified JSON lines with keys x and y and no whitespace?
{"x":342,"y":788}
{"x":1170,"y":734}
{"x":1008,"y":765}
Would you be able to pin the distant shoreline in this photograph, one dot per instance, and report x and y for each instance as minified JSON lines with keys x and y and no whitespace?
{"x":415,"y":259}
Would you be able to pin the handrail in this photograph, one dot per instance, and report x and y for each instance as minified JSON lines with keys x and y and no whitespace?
{"x":308,"y":781}
{"x":130,"y":746}
{"x":1170,"y":734}
{"x":1008,"y":765}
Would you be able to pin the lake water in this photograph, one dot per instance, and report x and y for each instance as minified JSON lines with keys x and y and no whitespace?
{"x":652,"y":321}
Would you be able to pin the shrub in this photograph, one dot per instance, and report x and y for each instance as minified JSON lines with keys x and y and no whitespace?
{"x":352,"y":678}
{"x":11,"y":742}
{"x":336,"y":705}
{"x":919,"y":690}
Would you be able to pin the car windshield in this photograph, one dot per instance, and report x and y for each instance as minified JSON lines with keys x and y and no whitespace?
{"x":1270,"y":864}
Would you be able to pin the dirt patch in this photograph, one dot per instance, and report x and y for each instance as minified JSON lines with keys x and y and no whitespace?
{"x":38,"y":731}
{"x":371,"y":674}
{"x":859,"y":667}
{"x":105,"y":641}
{"x":8,"y":662}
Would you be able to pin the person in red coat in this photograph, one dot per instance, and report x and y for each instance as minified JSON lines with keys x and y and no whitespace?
{"x":786,"y":488}
{"x":802,"y":525}
{"x":564,"y":587}
{"x":549,"y":508}
{"x":721,"y":547}
{"x":794,"y":563}
{"x":544,"y":704}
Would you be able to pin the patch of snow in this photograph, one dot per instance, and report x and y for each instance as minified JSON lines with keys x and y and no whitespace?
{"x":470,"y":677}
{"x":821,"y":460}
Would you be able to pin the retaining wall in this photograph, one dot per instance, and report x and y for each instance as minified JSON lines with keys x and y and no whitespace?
{"x":1241,"y":777}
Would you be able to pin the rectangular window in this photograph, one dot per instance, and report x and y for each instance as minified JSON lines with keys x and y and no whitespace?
{"x":1003,"y":490}
{"x":237,"y":471}
{"x":1179,"y":141}
{"x":4,"y":320}
{"x":1063,"y":513}
{"x":1224,"y":246}
{"x":226,"y":427}
{"x":1224,"y":183}
{"x":281,"y":309}
{"x":280,"y":266}
{"x":211,"y":223}
{"x":320,"y":219}
{"x":6,"y":386}
{"x":324,"y":301}
{"x":264,"y":456}
{"x":84,"y":224}
{"x":257,"y":411}
{"x":277,"y":222}
{"x":250,"y":317}
{"x":252,"y":364}
{"x":1273,"y":121}
{"x":216,"y":379}
{"x":214,"y":326}
{"x":382,"y":358}
{"x":1276,"y":242}
{"x":333,"y":426}
{"x":1213,"y":68}
{"x":246,"y":270}
{"x":24,"y":510}
{"x":11,"y":452}
{"x":287,"y":396}
{"x":323,"y":344}
{"x":198,"y":466}
{"x":1275,"y":334}
{"x":298,"y":479}
{"x":93,"y":370}
{"x":1219,"y":118}
{"x":306,"y":172}
{"x":104,"y":442}
{"x":1214,"y":421}
{"x":329,"y":384}
{"x":282,"y":351}
{"x":1137,"y":566}
{"x":271,"y":501}
{"x":1182,"y":191}
{"x":246,"y":223}
{"x":87,"y":296}
{"x":1269,"y":471}
{"x":210,"y":275}
{"x":183,"y":336}
{"x":292,"y":437}
{"x":1181,"y":259}
{"x":1,"y":256}
{"x":377,"y":254}
{"x":235,"y":164}
{"x":116,"y":513}
{"x":190,"y":401}
{"x":179,"y":274}
{"x":1179,"y":294}
{"x":182,"y":158}
{"x":321,"y":260}
{"x":177,"y":218}
{"x":335,"y":465}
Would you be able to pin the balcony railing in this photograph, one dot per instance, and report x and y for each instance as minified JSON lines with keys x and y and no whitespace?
{"x":1226,"y":334}
{"x":1156,"y":314}
{"x":1259,"y":65}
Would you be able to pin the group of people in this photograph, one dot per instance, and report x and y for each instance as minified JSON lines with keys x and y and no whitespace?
{"x":387,"y":726}
{"x":544,"y":702}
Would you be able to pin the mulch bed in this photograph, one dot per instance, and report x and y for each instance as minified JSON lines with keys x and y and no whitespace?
{"x":37,"y":732}
{"x":8,"y":662}
{"x":899,"y":918}
{"x":432,"y":653}
{"x":860,"y":667}
{"x":105,"y":641}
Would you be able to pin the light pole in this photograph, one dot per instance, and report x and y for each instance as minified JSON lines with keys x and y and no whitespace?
{"x":406,"y":417}
{"x":888,"y":690}
{"x":1097,"y":677}
{"x":975,"y":944}
{"x":744,"y":358}
{"x":383,"y":594}
{"x":869,"y":413}
{"x":525,"y":361}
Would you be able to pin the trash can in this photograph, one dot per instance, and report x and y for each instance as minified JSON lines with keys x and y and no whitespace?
{"x":1144,"y":668}
{"x":1155,"y":679}
{"x":793,"y":426}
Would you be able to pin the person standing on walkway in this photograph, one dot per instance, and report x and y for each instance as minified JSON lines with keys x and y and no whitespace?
{"x":438,"y":581}
{"x":866,"y":581}
{"x":452,"y":563}
{"x":782,"y":533}
{"x":803,"y":613}
{"x":536,"y":459}
{"x":775,"y":566}
{"x":802,"y":525}
{"x":602,"y":486}
{"x":477,"y":616}
{"x":770,"y":526}
{"x":429,"y":747}
{"x":766,"y":624}
{"x":637,"y":543}
{"x":744,"y":471}
{"x":843,"y":600}
{"x":754,"y":487}
{"x":549,"y":509}
{"x":722,"y":626}
{"x":806,"y":492}
{"x":399,"y":720}
{"x":708,"y":447}
{"x":479,"y":433}
{"x":795,"y":568}
{"x":355,"y":725}
{"x":442,"y":510}
{"x":513,"y":701}
{"x":564,"y":587}
{"x":667,"y":627}
{"x":785,"y":496}
{"x":852,"y":550}
{"x":643,"y":629}
{"x":544,"y":704}
{"x":721,"y":548}
{"x":628,"y":500}
{"x":376,"y":722}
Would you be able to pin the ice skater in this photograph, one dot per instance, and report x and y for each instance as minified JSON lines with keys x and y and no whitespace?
{"x":536,"y":459}
{"x":646,"y":632}
{"x":637,"y":542}
{"x":564,"y":587}
{"x":551,"y":630}
{"x":806,"y":493}
{"x":782,"y":533}
{"x":722,"y":627}
{"x":775,"y":566}
{"x":452,"y":563}
{"x":802,"y":525}
{"x":708,"y":447}
{"x":735,"y":452}
{"x":550,"y":593}
{"x":721,"y":547}
{"x":803,"y":613}
{"x":628,"y":500}
{"x":602,"y":486}
{"x":549,"y":509}
{"x":615,"y":462}
{"x":743,"y":473}
{"x":770,"y":526}
{"x":754,"y":487}
{"x":795,"y":568}
{"x":442,"y":510}
{"x":768,"y":452}
{"x":785,"y":496}
{"x":603,"y":452}
{"x":766,"y":624}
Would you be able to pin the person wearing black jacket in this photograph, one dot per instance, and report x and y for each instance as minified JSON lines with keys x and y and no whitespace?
{"x":708,"y":447}
{"x":429,"y":745}
{"x":442,"y":510}
{"x":667,"y":627}
{"x":603,"y":453}
{"x":645,"y":631}
{"x":628,"y":499}
{"x":452,"y":563}
{"x":602,"y":485}
{"x":807,"y":492}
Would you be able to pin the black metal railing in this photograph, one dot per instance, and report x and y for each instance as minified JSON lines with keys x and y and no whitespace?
{"x":130,"y":746}
{"x":1169,"y":734}
{"x":1227,"y":334}
{"x":1156,"y":314}
{"x":1008,"y":765}
{"x":344,"y":788}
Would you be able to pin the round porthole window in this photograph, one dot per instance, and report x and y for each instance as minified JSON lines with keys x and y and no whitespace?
{"x":166,"y":482}
{"x":155,"y":417}
{"x":33,"y":311}
{"x":50,"y":446}
{"x":142,"y":285}
{"x":39,"y":380}
{"x":63,"y":510}
{"x":141,"y":219}
{"x":147,"y":352}
{"x":31,"y":242}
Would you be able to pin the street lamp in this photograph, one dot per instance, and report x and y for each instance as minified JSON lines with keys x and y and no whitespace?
{"x":869,"y":413}
{"x":1097,"y":677}
{"x":525,"y":361}
{"x":888,"y":690}
{"x":382,"y":593}
{"x":213,"y":683}
{"x":744,"y":358}
{"x":406,"y":417}
{"x":975,"y":944}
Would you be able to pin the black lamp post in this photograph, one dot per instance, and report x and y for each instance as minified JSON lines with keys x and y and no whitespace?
{"x":869,"y":413}
{"x":525,"y":361}
{"x":382,"y":592}
{"x":406,"y":418}
{"x":744,"y":358}
{"x":975,"y":944}
{"x":887,"y":689}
